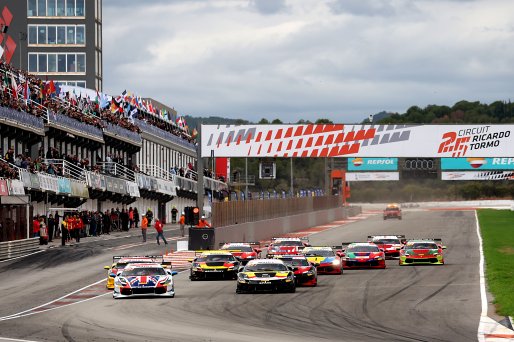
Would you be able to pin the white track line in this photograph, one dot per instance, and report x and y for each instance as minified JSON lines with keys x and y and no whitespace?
{"x":14,"y":339}
{"x":483,"y":294}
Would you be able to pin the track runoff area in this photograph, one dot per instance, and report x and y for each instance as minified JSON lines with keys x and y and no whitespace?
{"x":399,"y":303}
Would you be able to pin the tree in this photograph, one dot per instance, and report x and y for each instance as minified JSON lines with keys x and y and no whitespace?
{"x":323,"y":121}
{"x":263,"y":122}
{"x":276,"y":121}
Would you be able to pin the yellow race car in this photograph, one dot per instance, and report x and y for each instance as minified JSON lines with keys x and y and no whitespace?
{"x":214,"y":264}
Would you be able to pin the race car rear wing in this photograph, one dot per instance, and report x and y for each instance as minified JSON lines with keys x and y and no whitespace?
{"x":160,"y":259}
{"x":249,"y":243}
{"x":399,"y":236}
{"x":302,"y":238}
{"x":438,"y":240}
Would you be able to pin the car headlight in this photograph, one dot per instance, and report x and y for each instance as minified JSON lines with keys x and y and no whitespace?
{"x":378,"y":257}
{"x":242,"y":276}
{"x":336,"y":262}
{"x":165,"y":281}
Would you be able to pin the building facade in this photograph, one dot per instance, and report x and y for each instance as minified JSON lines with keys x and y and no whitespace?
{"x":58,"y":40}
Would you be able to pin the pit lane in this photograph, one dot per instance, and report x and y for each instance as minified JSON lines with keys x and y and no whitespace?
{"x":414,"y":303}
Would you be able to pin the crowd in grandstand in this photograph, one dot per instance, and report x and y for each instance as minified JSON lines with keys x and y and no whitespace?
{"x":25,"y":92}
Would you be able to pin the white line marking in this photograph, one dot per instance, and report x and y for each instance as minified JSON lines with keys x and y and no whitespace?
{"x":14,"y":339}
{"x":22,"y":256}
{"x":483,"y":294}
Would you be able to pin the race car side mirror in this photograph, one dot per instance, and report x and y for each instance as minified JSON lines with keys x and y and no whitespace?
{"x":241,"y":269}
{"x":257,"y":250}
{"x":290,"y":268}
{"x":112,"y":275}
{"x":307,"y":245}
{"x":444,"y":247}
{"x":382,"y":250}
{"x":173,"y":273}
{"x":340,"y":254}
{"x":107,"y":267}
{"x":119,"y":273}
{"x":266,"y":246}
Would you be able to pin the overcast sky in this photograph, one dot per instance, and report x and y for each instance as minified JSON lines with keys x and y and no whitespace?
{"x":308,"y":59}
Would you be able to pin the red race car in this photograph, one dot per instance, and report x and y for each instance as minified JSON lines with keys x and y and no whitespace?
{"x":363,"y":255}
{"x":305,"y":272}
{"x":391,"y":244}
{"x":283,"y":246}
{"x":244,"y":251}
{"x":392,"y":211}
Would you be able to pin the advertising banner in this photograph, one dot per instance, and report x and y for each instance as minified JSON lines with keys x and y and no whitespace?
{"x":48,"y":182}
{"x":64,"y":186}
{"x":95,"y":181}
{"x":4,"y":189}
{"x":477,"y":175}
{"x":477,"y":163}
{"x":372,"y":176}
{"x":143,"y":182}
{"x":132,"y":189}
{"x":79,"y":189}
{"x":166,"y":187}
{"x":15,"y":187}
{"x":372,"y":164}
{"x":423,"y":141}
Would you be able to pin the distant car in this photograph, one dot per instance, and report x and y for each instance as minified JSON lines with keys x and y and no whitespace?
{"x":214,"y":264}
{"x":392,"y":211}
{"x":363,"y":255}
{"x":289,"y":246}
{"x":266,"y":275}
{"x":243,"y":251}
{"x":144,"y":280}
{"x":119,"y":262}
{"x":305,"y":272}
{"x":424,"y":251}
{"x":391,"y":244}
{"x":325,"y":259}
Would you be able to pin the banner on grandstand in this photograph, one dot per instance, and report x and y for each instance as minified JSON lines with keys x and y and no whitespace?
{"x":477,"y":163}
{"x":424,"y":141}
{"x":79,"y":189}
{"x":372,"y":164}
{"x":4,"y":189}
{"x":166,"y":187}
{"x":477,"y":175}
{"x":15,"y":187}
{"x":116,"y":185}
{"x":372,"y":176}
{"x":95,"y":181}
{"x":143,"y":182}
{"x":48,"y":182}
{"x":64,"y":186}
{"x":132,"y":189}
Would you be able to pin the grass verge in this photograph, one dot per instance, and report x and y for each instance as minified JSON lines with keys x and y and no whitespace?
{"x":497,"y":229}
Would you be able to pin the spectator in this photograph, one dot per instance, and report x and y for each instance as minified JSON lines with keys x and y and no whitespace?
{"x":160,"y":232}
{"x":124,"y":217}
{"x":144,"y":227}
{"x":149,"y":216}
{"x":35,"y":226}
{"x":51,"y":227}
{"x":136,"y":217}
{"x":131,"y":217}
{"x":203,"y":223}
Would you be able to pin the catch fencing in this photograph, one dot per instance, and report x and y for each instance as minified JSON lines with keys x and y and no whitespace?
{"x":13,"y":249}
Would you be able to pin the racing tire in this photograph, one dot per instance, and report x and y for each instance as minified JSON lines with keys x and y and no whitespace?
{"x":399,"y":218}
{"x":292,"y":290}
{"x":385,"y":218}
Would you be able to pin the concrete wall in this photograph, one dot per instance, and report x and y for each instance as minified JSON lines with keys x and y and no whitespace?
{"x":263,"y":230}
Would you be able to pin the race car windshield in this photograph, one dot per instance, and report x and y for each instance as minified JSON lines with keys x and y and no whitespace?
{"x":392,"y":209}
{"x":388,"y":241}
{"x":139,"y":272}
{"x":322,"y":253}
{"x":296,"y":262}
{"x":367,"y":249}
{"x":288,"y":243}
{"x":238,"y":248}
{"x":122,"y":265}
{"x":215,"y":257}
{"x":424,"y":245}
{"x":265,"y":267}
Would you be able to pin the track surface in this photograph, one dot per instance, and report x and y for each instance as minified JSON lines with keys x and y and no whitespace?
{"x":413,"y":303}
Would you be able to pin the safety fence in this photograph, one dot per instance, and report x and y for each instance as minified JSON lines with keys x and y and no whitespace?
{"x":237,"y":212}
{"x":13,"y":249}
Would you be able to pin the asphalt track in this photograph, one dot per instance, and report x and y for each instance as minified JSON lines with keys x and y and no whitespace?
{"x":413,"y":303}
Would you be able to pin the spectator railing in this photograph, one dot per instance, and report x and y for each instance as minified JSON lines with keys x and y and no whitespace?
{"x":67,"y":122}
{"x":155,"y":171}
{"x":69,"y":170}
{"x":156,"y":131}
{"x":21,"y":118}
{"x":118,"y":170}
{"x":122,"y":132}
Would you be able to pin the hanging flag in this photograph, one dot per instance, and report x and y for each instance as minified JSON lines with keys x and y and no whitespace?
{"x":194,"y":133}
{"x":14,"y":87}
{"x":26,"y":92}
{"x":114,"y":106}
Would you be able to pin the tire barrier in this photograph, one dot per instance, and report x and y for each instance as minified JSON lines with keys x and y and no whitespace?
{"x":16,"y":248}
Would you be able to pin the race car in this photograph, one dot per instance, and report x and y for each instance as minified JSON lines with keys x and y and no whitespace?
{"x":392,"y":211}
{"x":391,"y":244}
{"x":423,"y":251}
{"x":363,"y":255}
{"x":119,"y":262}
{"x":214,"y":264}
{"x":305,"y":273}
{"x":243,"y":251}
{"x":144,"y":279}
{"x":288,"y":246}
{"x":266,"y":275}
{"x":326,"y":260}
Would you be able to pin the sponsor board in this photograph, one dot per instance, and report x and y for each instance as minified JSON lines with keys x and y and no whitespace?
{"x":372,"y":164}
{"x":372,"y":176}
{"x":477,"y":163}
{"x":337,"y":140}
{"x":477,"y":175}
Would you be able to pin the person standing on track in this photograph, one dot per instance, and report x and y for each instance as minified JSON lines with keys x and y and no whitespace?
{"x":182,"y":222}
{"x":158,"y":228}
{"x":203,"y":223}
{"x":64,"y":230}
{"x":144,"y":227}
{"x":51,"y":227}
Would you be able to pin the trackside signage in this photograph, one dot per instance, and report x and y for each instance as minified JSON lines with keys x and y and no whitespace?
{"x":372,"y":176}
{"x":375,"y":141}
{"x":477,"y":163}
{"x":477,"y":175}
{"x":372,"y":164}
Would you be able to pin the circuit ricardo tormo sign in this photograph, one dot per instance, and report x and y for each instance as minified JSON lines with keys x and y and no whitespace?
{"x":357,"y":140}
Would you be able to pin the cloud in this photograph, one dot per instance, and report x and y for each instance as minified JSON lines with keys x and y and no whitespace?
{"x":305,"y":61}
{"x":365,"y":8}
{"x":268,"y":6}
